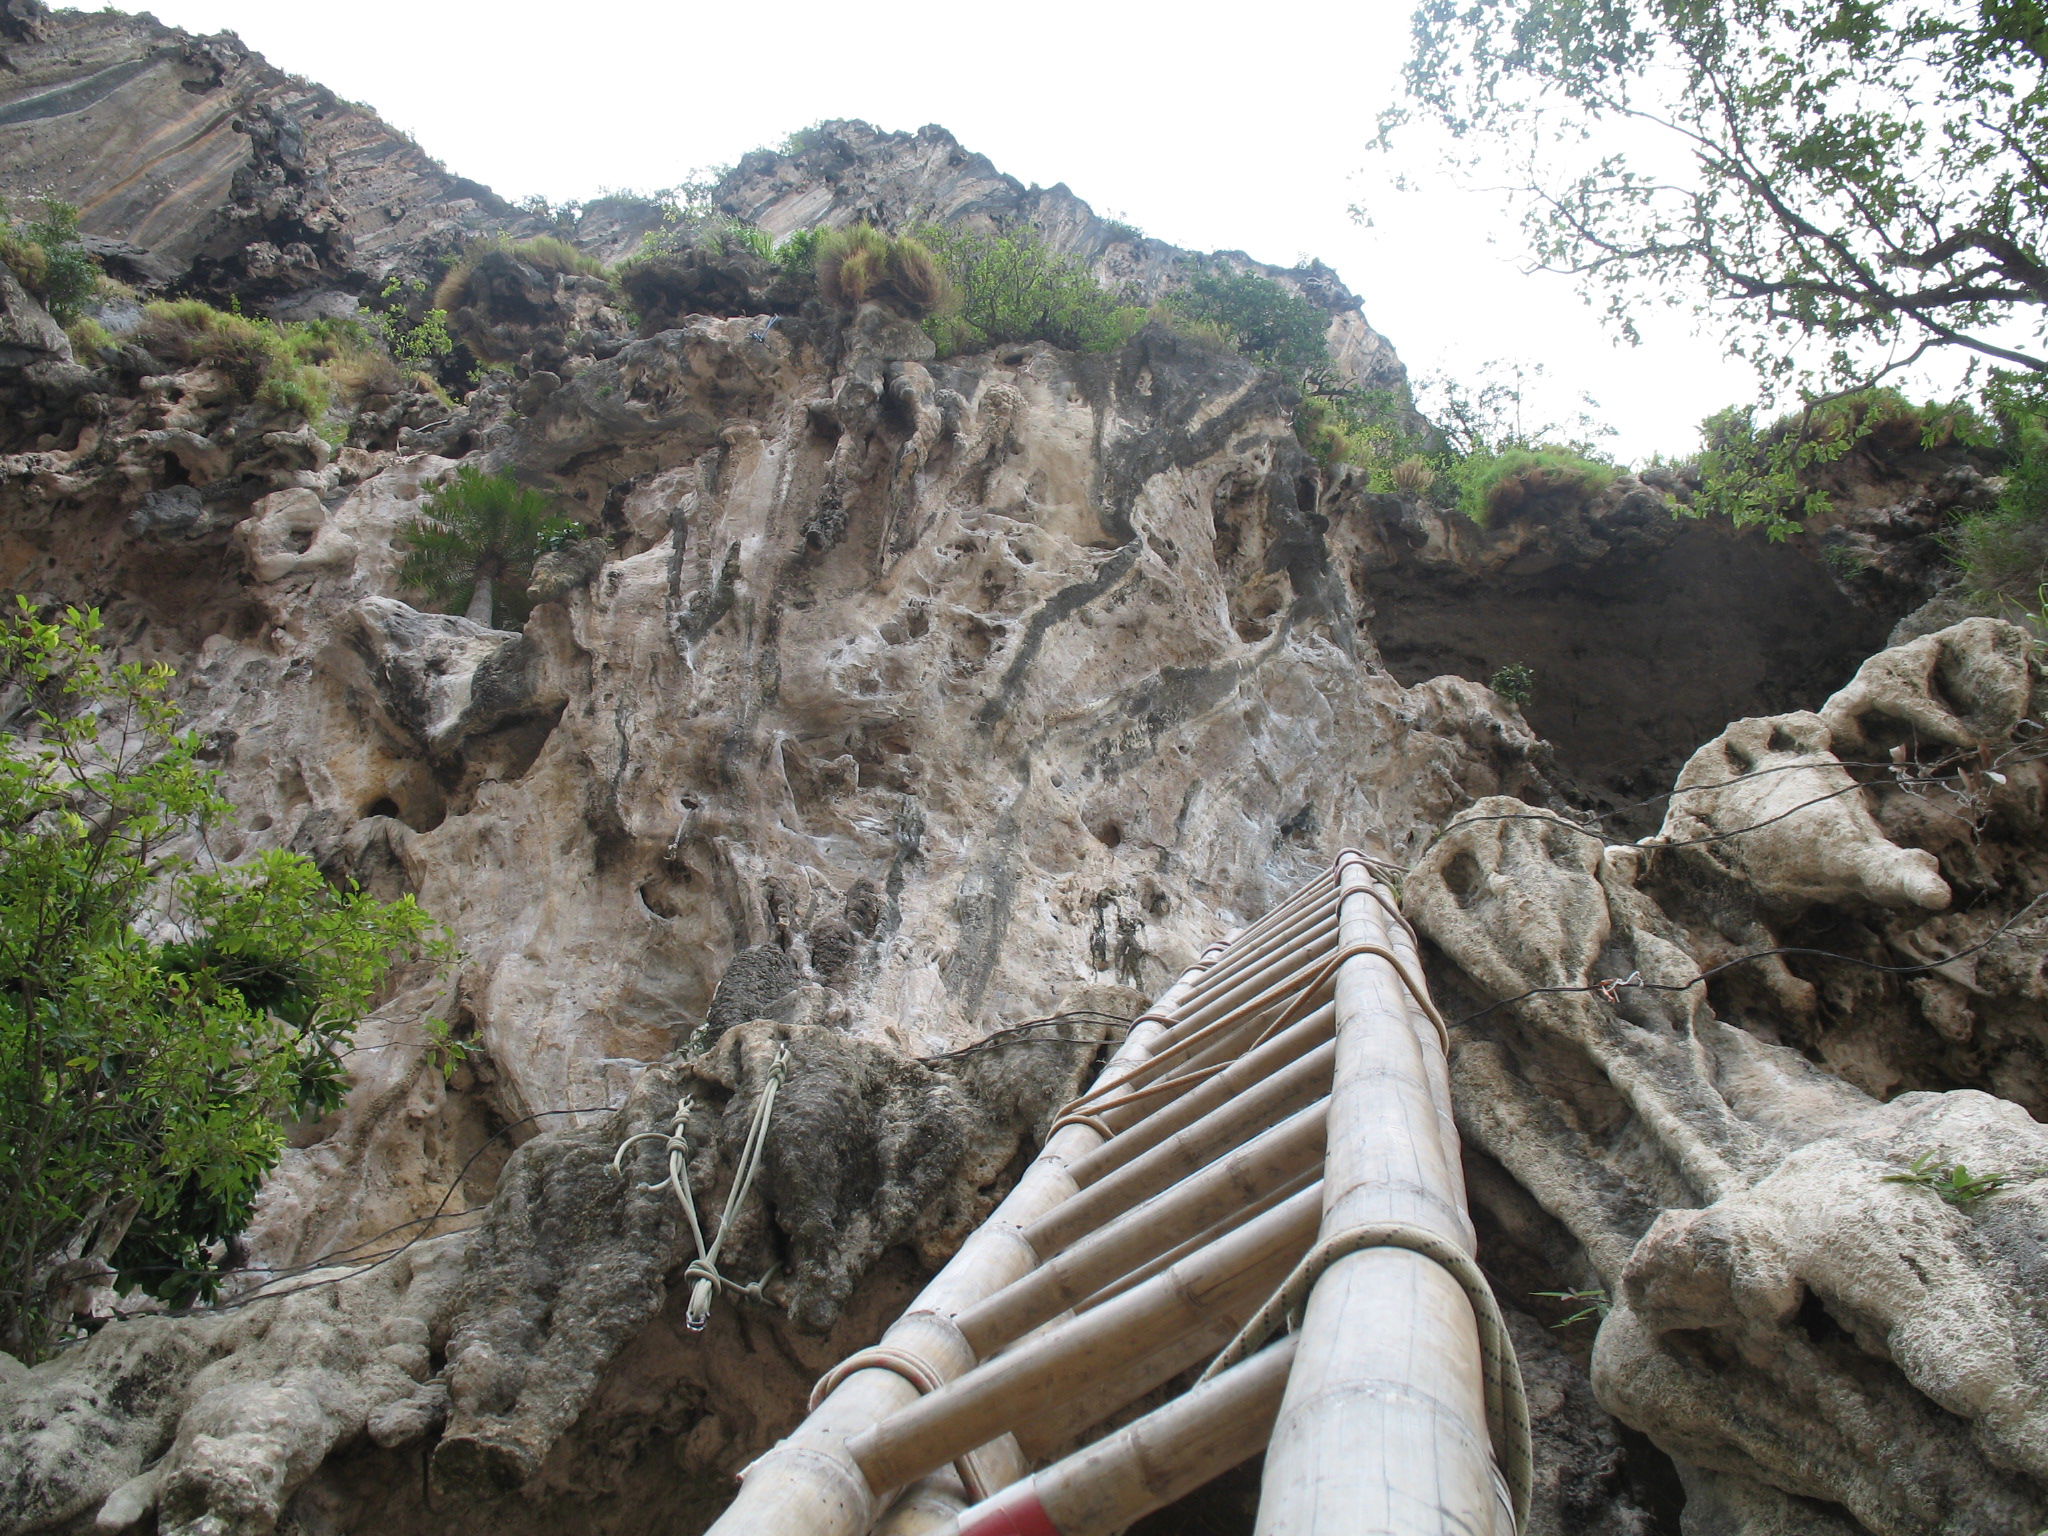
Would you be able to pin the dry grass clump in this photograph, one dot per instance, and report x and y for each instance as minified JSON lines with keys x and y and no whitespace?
{"x":547,"y":252}
{"x":861,"y":264}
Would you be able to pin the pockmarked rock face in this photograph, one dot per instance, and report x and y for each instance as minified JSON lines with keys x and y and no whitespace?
{"x":1812,"y":1293}
{"x":897,"y":729}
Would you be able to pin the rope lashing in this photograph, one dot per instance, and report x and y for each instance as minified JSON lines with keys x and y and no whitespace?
{"x":921,"y":1374}
{"x":1507,"y":1405}
{"x":703,"y":1276}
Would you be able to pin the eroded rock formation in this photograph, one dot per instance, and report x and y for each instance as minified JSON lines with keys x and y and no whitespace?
{"x":890,"y":702}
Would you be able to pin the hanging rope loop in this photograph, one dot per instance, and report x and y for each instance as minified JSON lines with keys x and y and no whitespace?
{"x":703,"y":1276}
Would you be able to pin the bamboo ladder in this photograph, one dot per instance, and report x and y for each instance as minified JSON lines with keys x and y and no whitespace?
{"x":1264,"y":1178}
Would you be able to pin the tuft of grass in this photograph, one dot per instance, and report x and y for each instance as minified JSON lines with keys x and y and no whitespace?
{"x":860,"y":264}
{"x":1498,"y":486}
{"x":549,"y":253}
{"x":1588,"y":1304}
{"x":89,"y":339}
{"x":1413,"y":476}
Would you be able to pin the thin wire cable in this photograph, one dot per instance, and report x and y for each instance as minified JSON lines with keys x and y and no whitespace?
{"x":1608,"y":988}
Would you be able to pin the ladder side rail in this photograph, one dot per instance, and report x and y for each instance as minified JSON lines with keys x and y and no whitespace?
{"x":808,"y":1484}
{"x":1382,"y":1430}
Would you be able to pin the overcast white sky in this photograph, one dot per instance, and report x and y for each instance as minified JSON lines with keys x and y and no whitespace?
{"x":1242,"y":129}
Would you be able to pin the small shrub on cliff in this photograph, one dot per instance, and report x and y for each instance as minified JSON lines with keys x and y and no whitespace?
{"x":47,"y":257}
{"x":1371,"y":429}
{"x":473,"y":533}
{"x":415,"y":341}
{"x":1265,"y":321}
{"x":1768,"y":476}
{"x":1515,"y":682}
{"x":1012,"y":288}
{"x":259,"y":358}
{"x":157,"y":1020}
{"x":2002,"y":550}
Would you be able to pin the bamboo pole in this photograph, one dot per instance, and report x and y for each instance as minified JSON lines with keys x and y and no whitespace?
{"x":1054,"y":1431}
{"x":1180,"y":1210}
{"x":808,"y":1484}
{"x":1148,"y":1463}
{"x":1202,"y":1239}
{"x":981,"y":1404}
{"x":1382,"y":1430}
{"x":1184,"y":1152}
{"x":1137,"y":1131}
{"x":1234,"y":1009}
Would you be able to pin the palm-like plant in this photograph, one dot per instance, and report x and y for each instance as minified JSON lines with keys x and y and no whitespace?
{"x":474,"y":532}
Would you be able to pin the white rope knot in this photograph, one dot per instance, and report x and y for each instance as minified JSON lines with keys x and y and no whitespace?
{"x":703,"y":1275}
{"x":1608,"y":987}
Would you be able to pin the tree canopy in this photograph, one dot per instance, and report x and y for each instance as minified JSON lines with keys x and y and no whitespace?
{"x":157,"y":1018}
{"x":1857,"y":183}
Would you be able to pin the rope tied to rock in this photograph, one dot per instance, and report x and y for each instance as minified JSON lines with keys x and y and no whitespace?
{"x":703,"y":1275}
{"x":1507,"y":1404}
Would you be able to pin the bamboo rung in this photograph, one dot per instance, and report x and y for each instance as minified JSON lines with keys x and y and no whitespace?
{"x":1200,"y":1200}
{"x":1148,"y":1463}
{"x":966,"y":1412}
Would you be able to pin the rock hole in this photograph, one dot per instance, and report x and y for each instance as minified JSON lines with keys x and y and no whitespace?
{"x":1110,"y":835}
{"x":383,"y":805}
{"x":259,"y":823}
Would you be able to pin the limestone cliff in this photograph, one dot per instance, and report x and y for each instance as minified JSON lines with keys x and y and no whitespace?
{"x":891,"y":701}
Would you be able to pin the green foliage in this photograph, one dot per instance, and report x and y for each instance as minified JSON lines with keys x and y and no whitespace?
{"x":1587,"y":1304}
{"x":1371,"y":429}
{"x":558,"y":533}
{"x":419,"y":344}
{"x":156,"y":1019}
{"x":2003,"y":549}
{"x":1264,"y":320}
{"x":801,"y":139}
{"x":1952,"y":1181}
{"x":1863,"y":180}
{"x":1767,"y":476}
{"x":88,"y":339}
{"x":1515,"y":682}
{"x":291,"y":368}
{"x":859,"y":264}
{"x":474,"y":532}
{"x":1497,"y":486}
{"x":49,"y":260}
{"x":797,"y":255}
{"x":1011,"y":288}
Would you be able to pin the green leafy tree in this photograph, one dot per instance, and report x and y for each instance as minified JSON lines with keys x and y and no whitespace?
{"x":48,"y":256}
{"x":1846,"y":184}
{"x":1264,"y":320}
{"x":157,"y":1019}
{"x":477,"y":531}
